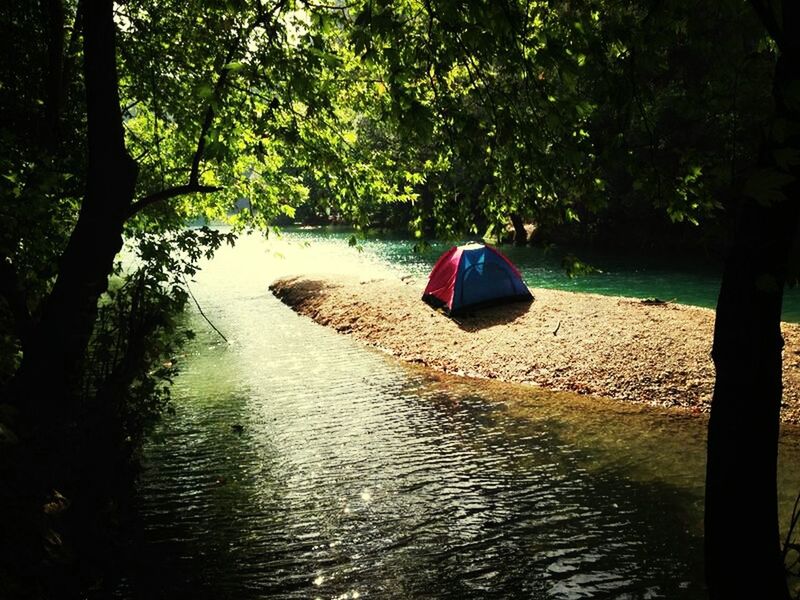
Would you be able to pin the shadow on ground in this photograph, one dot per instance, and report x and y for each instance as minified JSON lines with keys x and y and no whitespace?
{"x":500,"y":314}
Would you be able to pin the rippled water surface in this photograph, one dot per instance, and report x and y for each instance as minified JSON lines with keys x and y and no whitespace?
{"x":300,"y":464}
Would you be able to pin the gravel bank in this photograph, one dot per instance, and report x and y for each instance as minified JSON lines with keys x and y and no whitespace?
{"x":616,"y":347}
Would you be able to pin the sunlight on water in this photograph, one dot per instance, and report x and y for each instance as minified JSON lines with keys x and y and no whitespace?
{"x":259,"y":260}
{"x":300,"y":464}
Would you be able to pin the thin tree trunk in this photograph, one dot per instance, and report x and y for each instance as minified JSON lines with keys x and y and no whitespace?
{"x":743,"y":553}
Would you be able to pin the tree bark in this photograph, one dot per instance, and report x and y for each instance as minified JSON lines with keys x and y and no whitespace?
{"x":58,"y":343}
{"x":742,"y":542}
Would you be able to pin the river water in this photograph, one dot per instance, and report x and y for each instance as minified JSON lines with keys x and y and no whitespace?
{"x":300,"y":464}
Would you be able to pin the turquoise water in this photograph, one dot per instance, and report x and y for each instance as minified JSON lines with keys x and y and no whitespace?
{"x":685,"y":280}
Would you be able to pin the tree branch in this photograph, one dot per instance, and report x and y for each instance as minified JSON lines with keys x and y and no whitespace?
{"x":71,"y":52}
{"x":194,"y":174}
{"x":194,"y":187}
{"x":332,"y":6}
{"x":222,"y":80}
{"x":173,"y":192}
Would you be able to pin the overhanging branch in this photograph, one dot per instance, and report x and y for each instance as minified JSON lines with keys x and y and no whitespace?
{"x":208,"y":118}
{"x":173,"y":192}
{"x":194,"y":187}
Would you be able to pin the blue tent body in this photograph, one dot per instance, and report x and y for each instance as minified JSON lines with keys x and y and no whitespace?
{"x":471,"y":276}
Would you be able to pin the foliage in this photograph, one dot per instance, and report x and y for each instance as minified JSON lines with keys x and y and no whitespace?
{"x":133,"y":354}
{"x":601,"y":117}
{"x":575,"y":267}
{"x":40,"y":167}
{"x":443,"y":115}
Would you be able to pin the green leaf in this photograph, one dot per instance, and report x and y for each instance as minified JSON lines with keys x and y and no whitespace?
{"x":205,"y":91}
{"x":575,"y":267}
{"x":331,"y":59}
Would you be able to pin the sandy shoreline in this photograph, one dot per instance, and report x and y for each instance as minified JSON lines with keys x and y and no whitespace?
{"x":608,"y":346}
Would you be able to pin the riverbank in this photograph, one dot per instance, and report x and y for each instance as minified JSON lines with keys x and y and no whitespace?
{"x":621,"y":348}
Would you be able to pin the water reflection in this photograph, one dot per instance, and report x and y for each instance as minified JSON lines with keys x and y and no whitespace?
{"x":299,"y":464}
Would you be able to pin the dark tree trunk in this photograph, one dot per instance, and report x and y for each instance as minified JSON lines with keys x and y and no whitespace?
{"x":520,"y":235}
{"x":44,"y":386}
{"x":743,"y":553}
{"x":58,"y":343}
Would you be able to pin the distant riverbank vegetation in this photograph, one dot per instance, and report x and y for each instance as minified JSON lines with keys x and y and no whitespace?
{"x":647,"y":122}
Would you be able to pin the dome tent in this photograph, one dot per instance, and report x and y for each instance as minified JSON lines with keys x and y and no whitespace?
{"x":472,"y":276}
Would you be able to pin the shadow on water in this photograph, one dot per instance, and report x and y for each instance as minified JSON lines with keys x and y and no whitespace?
{"x":538,"y":523}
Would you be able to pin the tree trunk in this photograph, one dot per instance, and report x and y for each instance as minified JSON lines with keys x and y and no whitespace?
{"x":59,"y":341}
{"x":520,"y":235}
{"x":44,"y":386}
{"x":743,"y":553}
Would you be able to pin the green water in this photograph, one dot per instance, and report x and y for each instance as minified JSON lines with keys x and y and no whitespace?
{"x":682,"y":279}
{"x":300,"y":464}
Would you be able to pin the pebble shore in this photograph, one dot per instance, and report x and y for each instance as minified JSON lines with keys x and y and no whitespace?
{"x":620,"y":348}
